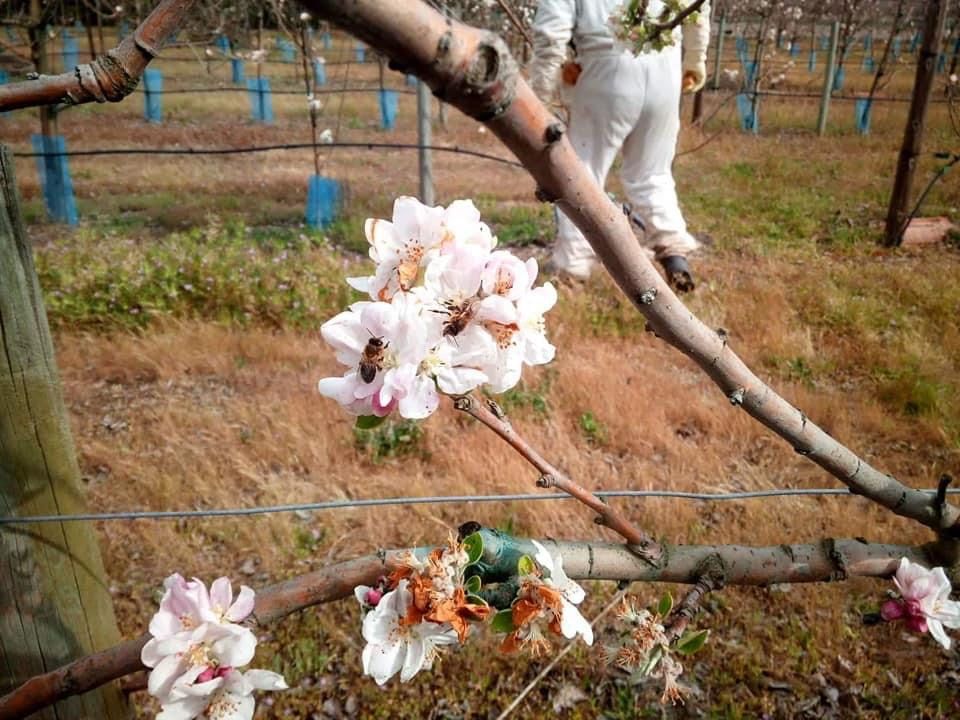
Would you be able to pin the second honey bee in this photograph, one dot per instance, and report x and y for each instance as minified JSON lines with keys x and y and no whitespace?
{"x":459,"y":316}
{"x":371,"y":359}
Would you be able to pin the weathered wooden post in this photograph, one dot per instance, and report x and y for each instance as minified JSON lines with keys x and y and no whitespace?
{"x":54,"y":600}
{"x":935,"y":16}
{"x":828,"y":79}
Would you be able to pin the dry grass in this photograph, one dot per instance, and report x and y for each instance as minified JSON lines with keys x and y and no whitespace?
{"x":193,"y":413}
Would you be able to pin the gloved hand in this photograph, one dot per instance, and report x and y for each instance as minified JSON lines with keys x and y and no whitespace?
{"x":694,"y":75}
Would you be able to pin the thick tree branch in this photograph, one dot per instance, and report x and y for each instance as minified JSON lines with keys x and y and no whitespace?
{"x":741,"y":565}
{"x":473,"y":70}
{"x":109,"y":78}
{"x":490,"y":414}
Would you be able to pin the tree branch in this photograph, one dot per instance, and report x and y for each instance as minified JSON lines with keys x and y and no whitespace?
{"x":490,"y":414}
{"x":109,"y":78}
{"x":741,"y":565}
{"x":473,"y":70}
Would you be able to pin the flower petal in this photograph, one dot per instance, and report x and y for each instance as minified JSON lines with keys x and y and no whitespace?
{"x":243,"y":606}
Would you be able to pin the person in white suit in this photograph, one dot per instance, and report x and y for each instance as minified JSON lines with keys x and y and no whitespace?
{"x":620,"y":101}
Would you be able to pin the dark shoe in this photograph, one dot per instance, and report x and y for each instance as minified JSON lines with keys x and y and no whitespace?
{"x":678,"y":273}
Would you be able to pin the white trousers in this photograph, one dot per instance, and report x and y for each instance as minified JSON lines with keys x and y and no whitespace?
{"x":633,"y":103}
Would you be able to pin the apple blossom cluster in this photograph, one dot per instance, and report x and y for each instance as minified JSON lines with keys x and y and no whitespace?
{"x":429,"y":603}
{"x":197,"y":649}
{"x":924,"y":603}
{"x":447,"y":313}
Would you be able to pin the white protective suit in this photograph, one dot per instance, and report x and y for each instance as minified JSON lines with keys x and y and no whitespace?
{"x":620,"y":101}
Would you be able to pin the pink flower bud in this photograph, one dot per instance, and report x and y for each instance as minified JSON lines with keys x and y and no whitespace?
{"x":207,"y":675}
{"x":892,"y":610}
{"x":372,"y":598}
{"x":917,"y":624}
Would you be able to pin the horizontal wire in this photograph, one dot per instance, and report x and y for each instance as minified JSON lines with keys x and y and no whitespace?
{"x":266,"y":148}
{"x":427,"y":500}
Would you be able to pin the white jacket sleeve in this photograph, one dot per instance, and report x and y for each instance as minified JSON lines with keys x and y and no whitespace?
{"x":696,"y":39}
{"x":552,"y":30}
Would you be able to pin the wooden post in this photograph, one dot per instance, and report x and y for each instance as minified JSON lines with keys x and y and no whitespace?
{"x":935,"y":16}
{"x":718,"y":59}
{"x":828,"y":79}
{"x":55,"y":605}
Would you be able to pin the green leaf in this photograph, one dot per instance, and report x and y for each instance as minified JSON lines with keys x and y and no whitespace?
{"x":368,"y":422}
{"x":473,"y":544}
{"x":665,"y":605}
{"x":503,"y":622}
{"x":692,"y":641}
{"x":476,"y":599}
{"x":526,"y":565}
{"x":651,"y":662}
{"x":472,"y":585}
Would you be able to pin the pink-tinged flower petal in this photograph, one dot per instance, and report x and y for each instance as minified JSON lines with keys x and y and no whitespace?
{"x":572,"y":623}
{"x":538,"y":301}
{"x":186,"y":708}
{"x":237,"y":649}
{"x":341,"y":389}
{"x":164,"y":674}
{"x":363,"y":284}
{"x":532,"y":272}
{"x":221,"y":596}
{"x":892,"y":610}
{"x":936,"y":630}
{"x":537,"y":350}
{"x":243,"y":606}
{"x":415,"y":657}
{"x":421,"y":399}
{"x":383,"y":661}
{"x":379,"y":233}
{"x":265,"y":680}
{"x":496,"y":308}
{"x":379,"y":320}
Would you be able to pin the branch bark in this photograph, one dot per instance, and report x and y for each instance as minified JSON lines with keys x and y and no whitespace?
{"x":490,"y":414}
{"x":109,"y":78}
{"x":828,"y":560}
{"x":473,"y":70}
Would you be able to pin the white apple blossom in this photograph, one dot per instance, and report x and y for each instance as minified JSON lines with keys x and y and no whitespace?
{"x":397,"y":382}
{"x":522,"y":342}
{"x":924,"y":603}
{"x":572,"y":623}
{"x":229,"y":697}
{"x":396,"y":646}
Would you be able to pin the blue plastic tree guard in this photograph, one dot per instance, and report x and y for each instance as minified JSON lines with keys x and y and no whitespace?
{"x":748,"y":114}
{"x":323,"y":201}
{"x":868,"y":64}
{"x":79,"y":27}
{"x":152,"y":89}
{"x":319,"y":71}
{"x":812,"y":61}
{"x":388,"y":109}
{"x":55,"y":179}
{"x":288,"y":52}
{"x":915,"y":42}
{"x":749,"y":73}
{"x":941,"y":62}
{"x":326,"y":40}
{"x":123,"y":29}
{"x":4,"y":79}
{"x":261,"y":99}
{"x":868,"y":43}
{"x":236,"y":70}
{"x":795,"y":50}
{"x":839,"y":76}
{"x":223,"y":44}
{"x":411,"y":80}
{"x":71,"y":52}
{"x":361,"y":53}
{"x":896,"y":48}
{"x":861,"y":109}
{"x":824,"y":42}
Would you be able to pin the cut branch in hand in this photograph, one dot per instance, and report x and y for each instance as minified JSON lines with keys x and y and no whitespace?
{"x":490,"y":414}
{"x":109,"y":78}
{"x":473,"y":70}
